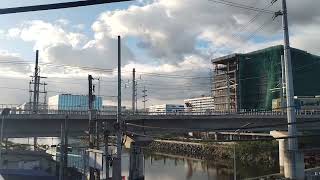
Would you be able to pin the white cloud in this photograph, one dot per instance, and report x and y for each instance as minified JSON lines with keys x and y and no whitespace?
{"x":168,"y":32}
{"x":13,"y":32}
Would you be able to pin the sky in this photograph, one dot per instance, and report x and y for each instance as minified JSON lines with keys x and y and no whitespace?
{"x":169,"y":42}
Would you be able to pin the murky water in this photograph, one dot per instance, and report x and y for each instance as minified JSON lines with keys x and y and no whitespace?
{"x":167,"y":167}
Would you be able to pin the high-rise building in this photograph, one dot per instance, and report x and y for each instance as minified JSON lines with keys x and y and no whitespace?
{"x":199,"y":104}
{"x":73,"y":102}
{"x":251,"y":81}
{"x":166,"y":109}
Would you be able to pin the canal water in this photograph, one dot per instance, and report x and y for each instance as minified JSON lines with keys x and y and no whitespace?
{"x":168,"y":167}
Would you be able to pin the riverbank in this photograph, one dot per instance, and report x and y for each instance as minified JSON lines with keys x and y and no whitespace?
{"x":246,"y":152}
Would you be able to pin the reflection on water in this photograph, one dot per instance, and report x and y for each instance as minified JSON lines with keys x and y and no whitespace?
{"x":174,"y":168}
{"x":165,"y":167}
{"x":168,"y":167}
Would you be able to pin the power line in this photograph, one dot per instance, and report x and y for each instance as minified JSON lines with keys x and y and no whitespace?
{"x":242,"y":6}
{"x":56,"y":6}
{"x":224,"y":129}
{"x":59,"y":65}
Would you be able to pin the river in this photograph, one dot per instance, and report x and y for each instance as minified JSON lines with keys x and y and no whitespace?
{"x":168,"y":167}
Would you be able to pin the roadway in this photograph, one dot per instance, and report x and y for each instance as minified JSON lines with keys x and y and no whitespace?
{"x":48,"y":125}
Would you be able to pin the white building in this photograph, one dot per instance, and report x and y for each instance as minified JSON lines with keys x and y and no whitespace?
{"x":166,"y":109}
{"x":200,"y":104}
{"x":26,"y":108}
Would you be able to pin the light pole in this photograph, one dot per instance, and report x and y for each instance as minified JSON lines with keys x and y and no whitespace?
{"x":5,"y":112}
{"x":234,"y":151}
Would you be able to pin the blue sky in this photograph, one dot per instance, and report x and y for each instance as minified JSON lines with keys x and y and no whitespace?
{"x":170,"y":37}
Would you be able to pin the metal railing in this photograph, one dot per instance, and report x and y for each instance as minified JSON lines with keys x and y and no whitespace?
{"x":83,"y":111}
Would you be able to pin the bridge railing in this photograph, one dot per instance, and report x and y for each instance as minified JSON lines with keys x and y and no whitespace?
{"x":83,"y":111}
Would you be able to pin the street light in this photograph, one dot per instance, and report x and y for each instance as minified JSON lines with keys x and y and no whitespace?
{"x":5,"y":112}
{"x":234,"y":151}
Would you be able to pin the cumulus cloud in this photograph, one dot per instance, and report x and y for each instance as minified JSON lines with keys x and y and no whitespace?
{"x":57,"y":45}
{"x":170,"y":29}
{"x":176,"y":37}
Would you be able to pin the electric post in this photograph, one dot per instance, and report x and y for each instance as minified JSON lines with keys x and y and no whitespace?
{"x":36,"y":85}
{"x":92,"y":124}
{"x":133,"y":91}
{"x":35,"y":92}
{"x":61,"y":168}
{"x":116,"y":175}
{"x":144,"y":91}
{"x":293,"y":171}
{"x":106,"y":149}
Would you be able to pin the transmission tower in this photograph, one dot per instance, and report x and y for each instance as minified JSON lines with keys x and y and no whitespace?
{"x":34,"y":90}
{"x":144,"y":96}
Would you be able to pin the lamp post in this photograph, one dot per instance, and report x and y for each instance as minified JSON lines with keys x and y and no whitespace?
{"x":234,"y":151}
{"x":5,"y":112}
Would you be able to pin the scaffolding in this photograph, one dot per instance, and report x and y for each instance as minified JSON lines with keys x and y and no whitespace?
{"x":251,"y":81}
{"x":224,"y":85}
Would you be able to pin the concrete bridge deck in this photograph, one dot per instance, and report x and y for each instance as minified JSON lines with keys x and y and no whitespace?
{"x":48,"y":125}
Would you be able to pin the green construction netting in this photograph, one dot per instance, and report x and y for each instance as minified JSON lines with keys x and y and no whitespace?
{"x":260,"y":76}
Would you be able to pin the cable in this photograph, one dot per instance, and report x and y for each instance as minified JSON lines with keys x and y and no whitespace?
{"x":58,"y":65}
{"x":269,"y":21}
{"x":242,"y":6}
{"x":244,"y":27}
{"x":224,"y":129}
{"x":56,"y":6}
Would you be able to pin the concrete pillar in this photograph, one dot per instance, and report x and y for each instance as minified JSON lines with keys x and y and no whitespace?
{"x":136,"y":171}
{"x":289,"y":160}
{"x":115,"y":170}
{"x":35,"y":143}
{"x":215,"y":136}
{"x":282,"y":147}
{"x":294,"y":160}
{"x":136,"y":165}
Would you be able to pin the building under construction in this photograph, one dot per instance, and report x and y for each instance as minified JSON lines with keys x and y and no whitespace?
{"x":251,"y":81}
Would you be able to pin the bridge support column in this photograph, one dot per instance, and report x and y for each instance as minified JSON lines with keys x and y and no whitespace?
{"x":285,"y":157}
{"x":215,"y":136}
{"x":136,"y":171}
{"x":35,"y":143}
{"x":136,"y":164}
{"x":294,"y":160}
{"x":282,"y":147}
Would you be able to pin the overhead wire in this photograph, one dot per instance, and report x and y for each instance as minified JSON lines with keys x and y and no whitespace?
{"x":62,"y":5}
{"x":242,"y":6}
{"x":225,"y":129}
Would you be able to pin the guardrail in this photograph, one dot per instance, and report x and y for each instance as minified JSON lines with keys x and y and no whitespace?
{"x":113,"y":113}
{"x":83,"y":111}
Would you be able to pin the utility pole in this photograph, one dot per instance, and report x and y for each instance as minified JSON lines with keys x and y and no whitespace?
{"x":63,"y":150}
{"x":283,"y":85}
{"x":106,"y":149}
{"x":117,"y":161}
{"x":133,"y":91}
{"x":36,"y":85}
{"x":293,"y":170}
{"x":61,"y":168}
{"x":144,"y":91}
{"x":35,"y":92}
{"x":293,"y":143}
{"x":93,"y":131}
